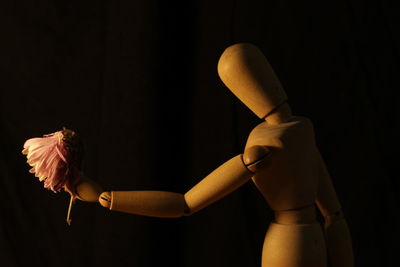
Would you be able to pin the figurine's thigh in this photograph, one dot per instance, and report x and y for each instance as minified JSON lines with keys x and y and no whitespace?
{"x":294,"y":245}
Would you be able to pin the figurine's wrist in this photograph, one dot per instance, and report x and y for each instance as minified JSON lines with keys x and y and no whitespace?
{"x":105,"y":199}
{"x":331,"y":218}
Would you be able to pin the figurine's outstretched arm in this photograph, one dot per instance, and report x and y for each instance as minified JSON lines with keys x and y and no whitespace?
{"x":222,"y":181}
{"x":337,"y":234}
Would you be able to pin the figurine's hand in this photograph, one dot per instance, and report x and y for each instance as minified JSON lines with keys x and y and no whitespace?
{"x":87,"y":190}
{"x":256,"y":157}
{"x":105,"y":199}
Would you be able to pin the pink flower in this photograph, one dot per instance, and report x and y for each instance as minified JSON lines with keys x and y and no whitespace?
{"x":54,"y":159}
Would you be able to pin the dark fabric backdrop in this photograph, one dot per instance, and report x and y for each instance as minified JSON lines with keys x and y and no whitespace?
{"x":138,"y":81}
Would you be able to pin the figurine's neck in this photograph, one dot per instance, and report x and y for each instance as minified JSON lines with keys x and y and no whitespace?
{"x":281,"y":115}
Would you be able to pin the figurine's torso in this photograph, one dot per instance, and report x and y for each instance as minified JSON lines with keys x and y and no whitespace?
{"x":290,"y":180}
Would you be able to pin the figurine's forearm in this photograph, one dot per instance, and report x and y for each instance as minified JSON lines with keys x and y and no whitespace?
{"x":148,"y":203}
{"x":338,"y":242}
{"x":327,"y":200}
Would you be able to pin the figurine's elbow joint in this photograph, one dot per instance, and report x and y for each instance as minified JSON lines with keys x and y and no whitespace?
{"x":187,"y":211}
{"x":255,"y":157}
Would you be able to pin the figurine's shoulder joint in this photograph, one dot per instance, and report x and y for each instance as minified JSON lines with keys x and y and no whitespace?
{"x":255,"y":157}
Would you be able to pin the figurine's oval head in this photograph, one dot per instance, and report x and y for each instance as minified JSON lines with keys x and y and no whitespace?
{"x":246,"y":72}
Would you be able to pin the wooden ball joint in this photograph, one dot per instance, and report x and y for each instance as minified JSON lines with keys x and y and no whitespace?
{"x":280,"y":158}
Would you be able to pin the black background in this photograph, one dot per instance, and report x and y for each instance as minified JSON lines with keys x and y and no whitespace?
{"x":138,"y":81}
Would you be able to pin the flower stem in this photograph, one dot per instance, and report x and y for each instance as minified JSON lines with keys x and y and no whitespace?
{"x":71,"y":202}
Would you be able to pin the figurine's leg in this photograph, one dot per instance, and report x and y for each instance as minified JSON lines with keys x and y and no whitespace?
{"x":294,"y":245}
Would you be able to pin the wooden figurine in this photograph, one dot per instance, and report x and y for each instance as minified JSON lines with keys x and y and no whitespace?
{"x":280,"y":158}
